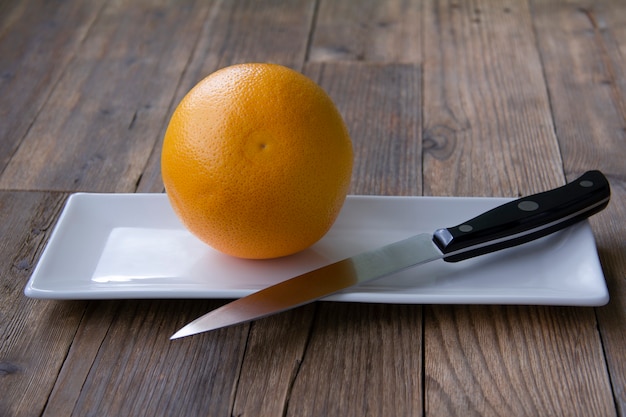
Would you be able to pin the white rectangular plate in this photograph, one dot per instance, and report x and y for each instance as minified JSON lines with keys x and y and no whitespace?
{"x":108,"y":246}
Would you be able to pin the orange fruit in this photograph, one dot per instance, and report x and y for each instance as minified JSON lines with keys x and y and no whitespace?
{"x":257,"y":161}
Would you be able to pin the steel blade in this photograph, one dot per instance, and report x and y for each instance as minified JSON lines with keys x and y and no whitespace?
{"x":318,"y":283}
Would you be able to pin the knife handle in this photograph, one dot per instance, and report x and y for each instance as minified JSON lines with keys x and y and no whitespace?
{"x":525,"y":219}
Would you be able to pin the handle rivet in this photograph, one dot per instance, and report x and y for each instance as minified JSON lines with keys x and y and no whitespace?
{"x":586,"y":183}
{"x":465,"y":228}
{"x":528,"y":205}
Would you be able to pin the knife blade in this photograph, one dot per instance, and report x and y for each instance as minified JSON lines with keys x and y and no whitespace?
{"x":511,"y":224}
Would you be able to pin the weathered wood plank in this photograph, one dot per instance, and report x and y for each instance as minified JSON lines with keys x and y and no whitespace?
{"x":250,"y":31}
{"x":362,"y":360}
{"x":107,"y":364}
{"x":103,"y":116}
{"x":130,"y":367}
{"x":489,"y":131}
{"x":514,"y":361}
{"x":582,"y":45}
{"x":86,"y":342}
{"x":487,"y":124}
{"x":237,"y":32}
{"x":37,"y":40}
{"x":586,"y":75}
{"x":608,"y":229}
{"x":34,"y":334}
{"x":274,"y":352}
{"x":380,"y":104}
{"x":373,"y":31}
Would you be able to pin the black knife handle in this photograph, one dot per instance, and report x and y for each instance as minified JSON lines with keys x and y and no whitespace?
{"x":525,"y":219}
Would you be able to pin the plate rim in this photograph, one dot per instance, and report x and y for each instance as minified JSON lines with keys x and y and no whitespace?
{"x":34,"y":290}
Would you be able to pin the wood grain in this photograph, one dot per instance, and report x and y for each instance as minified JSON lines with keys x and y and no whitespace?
{"x":585,"y":72}
{"x":380,"y":104}
{"x":362,"y":360}
{"x":274,"y":354}
{"x":86,"y":343}
{"x":34,"y":334}
{"x":514,"y":361}
{"x":608,"y":229}
{"x":370,"y":31}
{"x":582,"y":45}
{"x":35,"y":49}
{"x":103,"y":116}
{"x":123,"y":363}
{"x":488,"y":124}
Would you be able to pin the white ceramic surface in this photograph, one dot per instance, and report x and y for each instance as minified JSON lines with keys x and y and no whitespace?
{"x":108,"y":246}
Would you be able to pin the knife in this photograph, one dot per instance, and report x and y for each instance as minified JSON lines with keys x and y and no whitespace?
{"x":511,"y":224}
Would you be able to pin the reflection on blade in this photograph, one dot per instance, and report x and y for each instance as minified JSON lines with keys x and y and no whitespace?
{"x":317,"y":284}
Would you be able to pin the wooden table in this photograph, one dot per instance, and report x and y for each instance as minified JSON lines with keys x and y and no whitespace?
{"x":450,"y":98}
